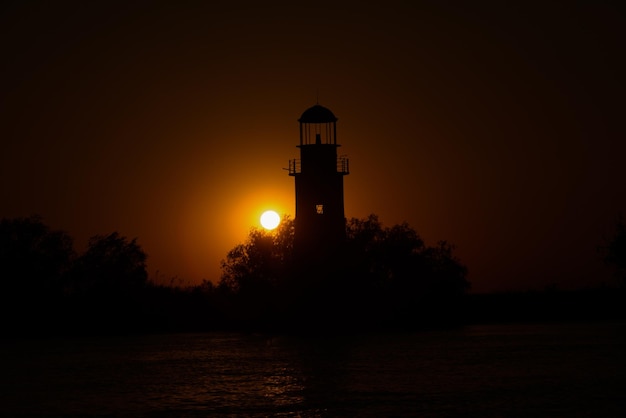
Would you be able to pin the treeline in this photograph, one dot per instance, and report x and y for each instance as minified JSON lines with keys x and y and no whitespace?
{"x":386,"y":278}
{"x":382,"y":278}
{"x":551,"y":304}
{"x":49,"y":288}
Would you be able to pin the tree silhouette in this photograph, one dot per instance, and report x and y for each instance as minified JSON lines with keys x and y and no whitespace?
{"x":381,"y":275}
{"x":261,"y":261}
{"x":253,"y":274}
{"x":111,"y":265}
{"x":32,"y":257}
{"x":614,"y":250}
{"x":400,"y":280}
{"x":108,"y":283}
{"x":33,"y":262}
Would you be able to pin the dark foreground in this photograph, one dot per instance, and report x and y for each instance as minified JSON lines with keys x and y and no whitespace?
{"x":516,"y":370}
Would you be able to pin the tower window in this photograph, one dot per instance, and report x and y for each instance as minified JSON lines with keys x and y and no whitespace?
{"x":319,"y":209}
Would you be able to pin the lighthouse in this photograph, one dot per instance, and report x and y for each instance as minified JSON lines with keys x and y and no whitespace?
{"x":320,"y":223}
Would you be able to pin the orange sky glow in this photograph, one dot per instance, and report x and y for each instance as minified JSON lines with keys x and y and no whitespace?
{"x":498,"y":127}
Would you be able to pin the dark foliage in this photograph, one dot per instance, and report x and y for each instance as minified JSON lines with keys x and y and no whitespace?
{"x":550,"y":304}
{"x":32,"y":257}
{"x":381,"y":278}
{"x":111,"y":265}
{"x":614,"y":250}
{"x":34,"y":262}
{"x":261,"y":261}
{"x":107,"y":283}
{"x":47,"y":288}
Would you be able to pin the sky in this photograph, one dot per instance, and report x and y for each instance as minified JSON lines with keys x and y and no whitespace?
{"x":497,"y":126}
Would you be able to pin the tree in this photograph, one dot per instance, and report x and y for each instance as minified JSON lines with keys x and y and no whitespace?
{"x":112,"y":266}
{"x":401,"y":279}
{"x":34,"y":261}
{"x":380,"y":275}
{"x":253,"y":275}
{"x":614,"y":250}
{"x":33,"y":258}
{"x":107,"y":286}
{"x":386,"y":255}
{"x":261,"y":261}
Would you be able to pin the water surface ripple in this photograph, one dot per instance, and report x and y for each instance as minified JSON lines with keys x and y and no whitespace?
{"x":548,"y":370}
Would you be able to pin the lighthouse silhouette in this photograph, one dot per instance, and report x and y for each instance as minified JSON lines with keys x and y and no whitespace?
{"x":320,"y":223}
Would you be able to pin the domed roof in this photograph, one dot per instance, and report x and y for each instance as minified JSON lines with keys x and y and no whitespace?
{"x":317,"y":114}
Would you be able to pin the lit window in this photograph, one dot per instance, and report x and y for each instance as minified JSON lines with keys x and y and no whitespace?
{"x":319,"y":209}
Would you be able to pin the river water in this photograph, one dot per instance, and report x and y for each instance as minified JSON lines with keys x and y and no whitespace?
{"x":520,"y":370}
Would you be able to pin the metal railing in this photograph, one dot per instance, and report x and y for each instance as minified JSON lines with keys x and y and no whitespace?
{"x":295,"y":167}
{"x":342,"y":167}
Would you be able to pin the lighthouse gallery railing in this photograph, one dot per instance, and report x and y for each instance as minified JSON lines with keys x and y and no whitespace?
{"x":343,"y":166}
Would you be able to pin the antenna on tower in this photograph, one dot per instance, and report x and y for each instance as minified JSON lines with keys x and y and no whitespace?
{"x":317,"y":96}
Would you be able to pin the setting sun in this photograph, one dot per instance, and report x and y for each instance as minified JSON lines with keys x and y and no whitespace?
{"x":270,"y":219}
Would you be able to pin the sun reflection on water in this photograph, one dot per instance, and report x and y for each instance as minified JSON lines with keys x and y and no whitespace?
{"x":283,"y":388}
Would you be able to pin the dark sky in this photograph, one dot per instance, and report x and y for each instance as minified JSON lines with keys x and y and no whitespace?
{"x":498,"y":126}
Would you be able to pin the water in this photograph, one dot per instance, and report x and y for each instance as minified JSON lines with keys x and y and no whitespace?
{"x":548,"y":370}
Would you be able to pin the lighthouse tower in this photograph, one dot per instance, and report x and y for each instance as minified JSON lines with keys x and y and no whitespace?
{"x":320,"y":224}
